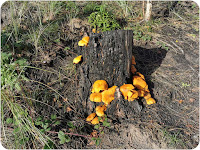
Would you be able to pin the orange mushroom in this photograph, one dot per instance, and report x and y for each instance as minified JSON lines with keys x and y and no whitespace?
{"x":147,"y":96}
{"x":108,"y":95}
{"x":132,"y":95}
{"x":99,"y":86}
{"x":100,"y":110}
{"x":140,"y":83}
{"x":84,"y":41}
{"x":94,"y":30}
{"x":141,"y":93}
{"x":95,"y":120}
{"x":90,"y":117}
{"x":133,"y":69}
{"x":141,"y":75}
{"x":77,"y":59}
{"x":96,"y":97}
{"x":150,"y":101}
{"x":125,"y":89}
{"x":133,"y":60}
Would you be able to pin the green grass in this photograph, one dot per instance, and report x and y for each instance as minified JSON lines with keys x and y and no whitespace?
{"x":12,"y":71}
{"x":172,"y":138}
{"x":16,"y":118}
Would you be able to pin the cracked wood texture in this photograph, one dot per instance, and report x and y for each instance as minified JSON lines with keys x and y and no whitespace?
{"x":107,"y":57}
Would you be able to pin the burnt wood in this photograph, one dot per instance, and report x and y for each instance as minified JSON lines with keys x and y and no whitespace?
{"x":107,"y":57}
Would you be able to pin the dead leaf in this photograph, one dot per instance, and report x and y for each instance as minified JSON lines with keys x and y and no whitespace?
{"x":189,"y":126}
{"x":192,"y":100}
{"x":68,"y":109}
{"x":94,"y":133}
{"x":92,"y":142}
{"x":65,"y":99}
{"x":180,"y":101}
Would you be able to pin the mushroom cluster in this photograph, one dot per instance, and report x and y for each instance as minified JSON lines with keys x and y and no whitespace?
{"x":139,"y":88}
{"x":101,"y":93}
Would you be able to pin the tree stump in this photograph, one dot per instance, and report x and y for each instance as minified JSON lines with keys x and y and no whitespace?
{"x":108,"y":57}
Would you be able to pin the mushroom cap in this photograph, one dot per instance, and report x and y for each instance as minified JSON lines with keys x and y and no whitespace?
{"x":91,"y":116}
{"x":100,"y":113}
{"x":133,"y":69}
{"x":77,"y":59}
{"x":147,"y":96}
{"x":125,"y":89}
{"x":150,"y":101}
{"x":84,"y":41}
{"x":133,"y":60}
{"x":101,"y":107}
{"x":108,"y":95}
{"x":96,"y":97}
{"x":132,"y":95}
{"x":141,"y":75}
{"x":94,"y":30}
{"x":140,"y":83}
{"x":141,"y":93}
{"x":99,"y":86}
{"x":100,"y":110}
{"x":95,"y":120}
{"x":112,"y":89}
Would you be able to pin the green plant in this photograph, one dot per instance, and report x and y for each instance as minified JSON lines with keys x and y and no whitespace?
{"x":47,"y":124}
{"x":194,"y":6}
{"x":11,"y":71}
{"x":63,"y":137}
{"x":97,"y":140}
{"x":49,"y":145}
{"x":103,"y":20}
{"x":172,"y":138}
{"x":139,"y":35}
{"x":163,"y":45}
{"x":100,"y":127}
{"x":184,"y":85}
